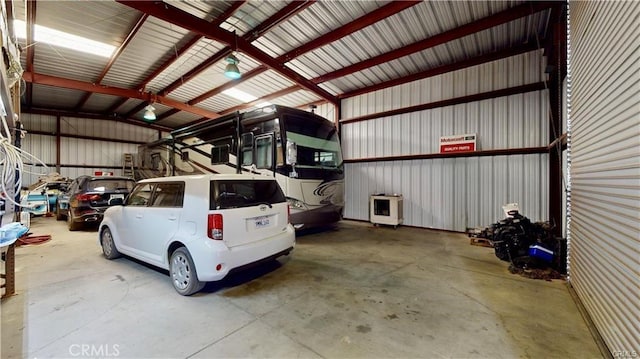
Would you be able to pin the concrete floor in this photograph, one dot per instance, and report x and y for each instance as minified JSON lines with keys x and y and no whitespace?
{"x":355,"y":291}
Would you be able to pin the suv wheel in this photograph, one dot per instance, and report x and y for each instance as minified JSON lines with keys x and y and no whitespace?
{"x":183,"y":273}
{"x":73,"y":226}
{"x":59,"y":215}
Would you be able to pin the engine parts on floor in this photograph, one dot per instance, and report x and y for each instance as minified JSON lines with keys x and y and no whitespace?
{"x":530,"y":247}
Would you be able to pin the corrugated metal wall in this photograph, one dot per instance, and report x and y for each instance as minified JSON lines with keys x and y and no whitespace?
{"x":77,"y":153}
{"x":453,"y":193}
{"x":604,"y":154}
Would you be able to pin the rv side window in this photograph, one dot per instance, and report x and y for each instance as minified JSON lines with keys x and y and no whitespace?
{"x":247,"y":149}
{"x":264,"y":152}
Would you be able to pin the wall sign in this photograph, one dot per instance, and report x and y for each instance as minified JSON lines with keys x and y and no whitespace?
{"x":458,"y":143}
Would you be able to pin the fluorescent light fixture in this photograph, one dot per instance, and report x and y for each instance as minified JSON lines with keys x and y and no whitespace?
{"x":245,"y":97}
{"x":239,"y":95}
{"x":58,"y":38}
{"x":149,"y":115}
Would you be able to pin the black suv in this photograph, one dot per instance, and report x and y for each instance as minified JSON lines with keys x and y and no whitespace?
{"x":88,"y":197}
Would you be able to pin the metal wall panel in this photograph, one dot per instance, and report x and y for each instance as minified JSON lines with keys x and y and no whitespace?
{"x":513,"y":71}
{"x":453,"y":193}
{"x":79,"y":152}
{"x":515,"y":121}
{"x":106,"y":129}
{"x":604,"y":128}
{"x":44,"y":149}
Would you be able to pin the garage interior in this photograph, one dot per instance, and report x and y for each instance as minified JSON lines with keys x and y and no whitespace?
{"x":550,"y":91}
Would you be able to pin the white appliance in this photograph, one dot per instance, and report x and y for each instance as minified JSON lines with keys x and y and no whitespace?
{"x":386,"y":209}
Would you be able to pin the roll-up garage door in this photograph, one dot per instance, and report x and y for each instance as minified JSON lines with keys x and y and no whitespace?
{"x":604,"y":150}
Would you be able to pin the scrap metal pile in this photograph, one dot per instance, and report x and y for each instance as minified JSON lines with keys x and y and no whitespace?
{"x":530,"y":247}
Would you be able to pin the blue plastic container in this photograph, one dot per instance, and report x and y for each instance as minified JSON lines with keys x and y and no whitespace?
{"x":541,"y":253}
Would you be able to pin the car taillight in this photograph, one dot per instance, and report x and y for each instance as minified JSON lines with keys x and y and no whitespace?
{"x":288,"y":214}
{"x":88,"y":197}
{"x":214,"y":226}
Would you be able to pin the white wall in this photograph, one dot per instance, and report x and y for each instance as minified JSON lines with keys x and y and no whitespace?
{"x":604,"y":155}
{"x":100,"y":155}
{"x":452,"y":193}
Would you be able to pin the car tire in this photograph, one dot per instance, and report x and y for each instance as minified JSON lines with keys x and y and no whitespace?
{"x":59,"y":215}
{"x":108,"y":245}
{"x":183,"y":273}
{"x":73,"y":226}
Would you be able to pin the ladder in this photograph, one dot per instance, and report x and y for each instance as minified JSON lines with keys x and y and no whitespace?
{"x":127,"y":165}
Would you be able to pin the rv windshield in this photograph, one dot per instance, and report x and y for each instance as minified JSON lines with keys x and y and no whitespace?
{"x":317,"y":152}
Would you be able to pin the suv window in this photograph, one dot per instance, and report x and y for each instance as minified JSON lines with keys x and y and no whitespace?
{"x":103,"y":185}
{"x":168,"y":195}
{"x":243,"y":193}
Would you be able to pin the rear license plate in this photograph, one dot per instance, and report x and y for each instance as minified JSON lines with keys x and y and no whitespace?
{"x":114,"y":196}
{"x":261,"y":222}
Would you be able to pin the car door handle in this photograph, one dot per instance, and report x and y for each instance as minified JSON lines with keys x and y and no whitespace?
{"x":138,"y":216}
{"x":172,"y":218}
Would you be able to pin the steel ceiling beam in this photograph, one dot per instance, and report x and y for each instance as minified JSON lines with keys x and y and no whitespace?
{"x":493,"y":56}
{"x":132,"y":33}
{"x":177,"y":54}
{"x":453,"y":34}
{"x":185,"y":20}
{"x":93,"y":116}
{"x":42,"y":79}
{"x":252,"y":103}
{"x":31,"y":47}
{"x":258,"y":70}
{"x":371,"y":18}
{"x":288,"y":11}
{"x":282,"y":15}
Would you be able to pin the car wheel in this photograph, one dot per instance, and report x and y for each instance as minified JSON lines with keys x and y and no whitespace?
{"x":73,"y":226}
{"x":59,"y":215}
{"x":183,"y":273}
{"x":108,"y":245}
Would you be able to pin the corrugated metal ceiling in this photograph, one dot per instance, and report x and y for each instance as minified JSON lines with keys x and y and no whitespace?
{"x":156,"y":56}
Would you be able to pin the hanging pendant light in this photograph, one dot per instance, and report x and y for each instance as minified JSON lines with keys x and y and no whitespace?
{"x":232,"y":71}
{"x":149,"y":114}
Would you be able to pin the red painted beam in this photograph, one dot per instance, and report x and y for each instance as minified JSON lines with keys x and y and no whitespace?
{"x":285,"y":13}
{"x":258,"y":70}
{"x":176,"y":55}
{"x":168,"y":13}
{"x":380,"y":13}
{"x":31,"y":47}
{"x":132,"y":33}
{"x":9,"y":6}
{"x":196,"y":70}
{"x":493,"y":56}
{"x":453,"y":34}
{"x":93,"y":116}
{"x":113,"y":91}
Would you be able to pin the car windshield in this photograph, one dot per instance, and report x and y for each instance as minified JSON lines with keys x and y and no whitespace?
{"x":107,"y":185}
{"x":244,"y":193}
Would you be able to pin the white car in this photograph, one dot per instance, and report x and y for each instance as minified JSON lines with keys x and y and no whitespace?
{"x":200,"y":227}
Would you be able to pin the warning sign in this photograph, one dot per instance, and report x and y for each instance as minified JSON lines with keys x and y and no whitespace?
{"x":458,"y":143}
